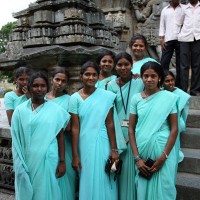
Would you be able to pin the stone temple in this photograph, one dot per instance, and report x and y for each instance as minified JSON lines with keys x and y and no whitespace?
{"x":59,"y":32}
{"x":70,"y":32}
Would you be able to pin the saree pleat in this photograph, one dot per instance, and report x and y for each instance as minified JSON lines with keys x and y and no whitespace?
{"x":35,"y":150}
{"x":183,"y":108}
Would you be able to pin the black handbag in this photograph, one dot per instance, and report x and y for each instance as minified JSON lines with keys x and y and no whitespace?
{"x":149,"y":162}
{"x":108,"y":167}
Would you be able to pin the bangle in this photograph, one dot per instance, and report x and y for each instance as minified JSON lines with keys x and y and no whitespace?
{"x":166,"y":156}
{"x":114,"y":150}
{"x":62,"y":161}
{"x":138,"y":157}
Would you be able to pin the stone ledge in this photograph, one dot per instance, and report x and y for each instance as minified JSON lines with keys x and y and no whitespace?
{"x":195,"y":103}
{"x":188,"y":186}
{"x":191,"y":138}
{"x":191,"y":161}
{"x":193,"y":120}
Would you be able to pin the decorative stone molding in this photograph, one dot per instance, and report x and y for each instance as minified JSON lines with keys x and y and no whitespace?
{"x":6,"y":168}
{"x":41,"y":24}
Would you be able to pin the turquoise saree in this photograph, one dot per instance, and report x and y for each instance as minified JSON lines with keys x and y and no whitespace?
{"x":11,"y":100}
{"x":127,"y":177}
{"x":67,"y":183}
{"x":183,"y":108}
{"x":152,"y":133}
{"x":94,"y":145}
{"x":137,"y":65}
{"x":35,"y":150}
{"x":103,"y":83}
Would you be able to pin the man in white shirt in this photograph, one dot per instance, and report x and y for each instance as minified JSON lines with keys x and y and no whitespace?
{"x":189,"y":38}
{"x":168,"y":32}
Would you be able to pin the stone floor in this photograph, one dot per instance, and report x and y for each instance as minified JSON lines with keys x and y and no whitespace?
{"x":4,"y":196}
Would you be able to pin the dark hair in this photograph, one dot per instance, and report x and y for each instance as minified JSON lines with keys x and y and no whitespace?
{"x":167,"y":73}
{"x":156,"y":67}
{"x":38,"y":74}
{"x":89,"y":64}
{"x":61,"y":70}
{"x":123,"y":55}
{"x":22,"y":70}
{"x":138,"y":37}
{"x":105,"y":53}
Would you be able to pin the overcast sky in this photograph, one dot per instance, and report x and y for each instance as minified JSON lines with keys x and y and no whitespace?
{"x":7,"y":7}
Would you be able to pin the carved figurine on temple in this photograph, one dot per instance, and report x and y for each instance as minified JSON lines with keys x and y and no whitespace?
{"x":147,"y":13}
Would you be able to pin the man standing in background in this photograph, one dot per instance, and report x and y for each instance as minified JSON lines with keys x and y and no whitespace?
{"x":189,"y":38}
{"x":168,"y":32}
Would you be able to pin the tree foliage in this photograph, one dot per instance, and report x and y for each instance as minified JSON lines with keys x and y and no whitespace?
{"x":4,"y":38}
{"x":4,"y":34}
{"x":8,"y":75}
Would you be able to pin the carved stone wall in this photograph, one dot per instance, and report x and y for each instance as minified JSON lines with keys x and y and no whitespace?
{"x":6,"y":162}
{"x":135,"y":16}
{"x":63,"y":22}
{"x":49,"y":32}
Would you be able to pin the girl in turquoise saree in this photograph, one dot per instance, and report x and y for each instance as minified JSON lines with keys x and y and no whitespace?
{"x":138,"y":45}
{"x":93,"y":137}
{"x":59,"y":95}
{"x":125,"y":87}
{"x":153,"y":130}
{"x":14,"y":98}
{"x":183,"y":105}
{"x":106,"y":64}
{"x":38,"y":144}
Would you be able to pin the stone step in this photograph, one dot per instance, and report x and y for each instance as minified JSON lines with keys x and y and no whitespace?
{"x":188,"y":186}
{"x":193,"y":120}
{"x":191,"y":162}
{"x":191,"y":138}
{"x":6,"y":194}
{"x":195,"y":103}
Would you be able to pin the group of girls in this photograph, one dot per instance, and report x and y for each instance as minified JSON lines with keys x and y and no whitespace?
{"x":122,"y":117}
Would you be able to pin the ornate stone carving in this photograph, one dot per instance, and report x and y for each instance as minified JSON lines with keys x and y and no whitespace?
{"x":74,"y":13}
{"x":6,"y":176}
{"x":76,"y":20}
{"x":24,"y":21}
{"x":118,"y":19}
{"x":147,"y":13}
{"x":6,"y":168}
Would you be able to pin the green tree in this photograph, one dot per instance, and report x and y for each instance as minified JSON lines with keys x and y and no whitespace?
{"x":4,"y":34}
{"x":4,"y":38}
